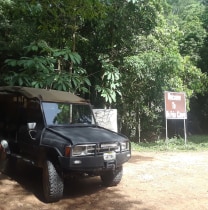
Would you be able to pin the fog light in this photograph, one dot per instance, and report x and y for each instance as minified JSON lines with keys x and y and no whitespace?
{"x":128,"y":155}
{"x":77,"y":162}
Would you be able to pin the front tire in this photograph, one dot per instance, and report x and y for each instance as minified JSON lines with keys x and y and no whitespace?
{"x":52,"y":182}
{"x":112,"y":177}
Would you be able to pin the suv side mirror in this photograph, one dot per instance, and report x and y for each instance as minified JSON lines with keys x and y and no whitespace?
{"x":4,"y":146}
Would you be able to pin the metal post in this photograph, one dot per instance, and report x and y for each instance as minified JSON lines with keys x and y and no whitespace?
{"x":139,"y":128}
{"x":166,"y":128}
{"x":185,"y":131}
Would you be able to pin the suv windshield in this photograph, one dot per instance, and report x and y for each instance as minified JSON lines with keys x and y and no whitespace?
{"x":65,"y":114}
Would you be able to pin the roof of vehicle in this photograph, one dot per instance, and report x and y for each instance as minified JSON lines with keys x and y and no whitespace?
{"x":43,"y":94}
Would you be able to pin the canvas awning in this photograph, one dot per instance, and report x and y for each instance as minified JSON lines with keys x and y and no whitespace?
{"x":43,"y":94}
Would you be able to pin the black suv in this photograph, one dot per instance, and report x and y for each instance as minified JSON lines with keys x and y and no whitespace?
{"x":57,"y":131}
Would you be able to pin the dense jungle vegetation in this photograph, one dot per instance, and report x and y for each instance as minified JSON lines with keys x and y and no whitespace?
{"x":120,"y":54}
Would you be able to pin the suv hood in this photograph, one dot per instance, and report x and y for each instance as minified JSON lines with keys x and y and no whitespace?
{"x":85,"y":134}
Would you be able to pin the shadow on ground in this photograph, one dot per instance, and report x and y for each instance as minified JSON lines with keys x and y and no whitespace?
{"x":138,"y":158}
{"x":85,"y":193}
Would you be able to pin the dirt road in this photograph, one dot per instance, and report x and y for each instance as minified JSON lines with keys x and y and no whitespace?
{"x":151,"y":181}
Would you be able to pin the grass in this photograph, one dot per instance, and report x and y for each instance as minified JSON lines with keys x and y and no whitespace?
{"x":194,"y":143}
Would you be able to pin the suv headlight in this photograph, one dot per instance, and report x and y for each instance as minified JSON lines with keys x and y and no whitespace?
{"x":81,"y":150}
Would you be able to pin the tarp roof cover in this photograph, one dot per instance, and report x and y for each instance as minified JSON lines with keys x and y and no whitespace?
{"x":43,"y":94}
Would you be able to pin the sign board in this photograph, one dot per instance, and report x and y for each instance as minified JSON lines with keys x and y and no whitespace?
{"x":106,"y":118}
{"x":175,"y":105}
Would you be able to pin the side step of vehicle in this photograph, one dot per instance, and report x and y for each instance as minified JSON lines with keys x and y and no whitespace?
{"x":19,"y":157}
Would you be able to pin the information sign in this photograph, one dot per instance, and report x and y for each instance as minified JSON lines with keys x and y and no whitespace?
{"x":175,"y":105}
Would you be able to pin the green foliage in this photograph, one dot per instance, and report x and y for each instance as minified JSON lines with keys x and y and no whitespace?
{"x":188,"y":15}
{"x":129,"y":52}
{"x":113,"y":39}
{"x":56,"y":24}
{"x":158,"y":64}
{"x":194,"y":143}
{"x":110,"y":80}
{"x":39,"y":71}
{"x":157,"y":67}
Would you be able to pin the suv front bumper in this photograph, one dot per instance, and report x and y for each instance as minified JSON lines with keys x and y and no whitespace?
{"x":93,"y":163}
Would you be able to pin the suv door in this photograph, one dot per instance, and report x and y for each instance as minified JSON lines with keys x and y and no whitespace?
{"x":29,"y":139}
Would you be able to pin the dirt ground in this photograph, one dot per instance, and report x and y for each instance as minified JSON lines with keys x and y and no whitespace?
{"x":151,"y":181}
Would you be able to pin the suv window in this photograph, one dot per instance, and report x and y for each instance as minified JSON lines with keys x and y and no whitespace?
{"x":60,"y":113}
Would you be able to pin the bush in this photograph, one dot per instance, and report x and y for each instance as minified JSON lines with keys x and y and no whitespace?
{"x":194,"y":143}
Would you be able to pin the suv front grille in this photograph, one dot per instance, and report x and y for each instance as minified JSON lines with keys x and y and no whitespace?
{"x":98,"y":149}
{"x":102,"y":148}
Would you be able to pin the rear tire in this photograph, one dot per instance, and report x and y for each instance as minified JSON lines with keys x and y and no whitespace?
{"x":112,"y":177}
{"x":52,"y":183}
